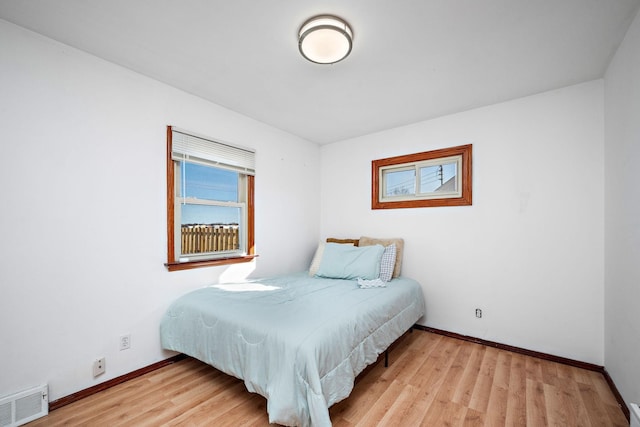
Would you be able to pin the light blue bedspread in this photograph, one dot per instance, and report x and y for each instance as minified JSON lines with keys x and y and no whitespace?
{"x":299,"y":341}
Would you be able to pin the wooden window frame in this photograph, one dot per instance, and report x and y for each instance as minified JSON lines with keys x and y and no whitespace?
{"x":172,"y":263}
{"x":466,"y":182}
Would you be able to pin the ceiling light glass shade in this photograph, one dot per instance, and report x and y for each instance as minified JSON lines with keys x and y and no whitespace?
{"x":325,"y":39}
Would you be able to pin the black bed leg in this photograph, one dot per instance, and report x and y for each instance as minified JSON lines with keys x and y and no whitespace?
{"x":386,"y":358}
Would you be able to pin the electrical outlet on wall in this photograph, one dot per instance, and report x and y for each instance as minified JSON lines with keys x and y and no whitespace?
{"x":479,"y":313}
{"x":99,"y":366}
{"x":125,"y":342}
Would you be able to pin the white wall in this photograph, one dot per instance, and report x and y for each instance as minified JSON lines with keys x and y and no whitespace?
{"x":83,"y":216}
{"x":529,"y":252}
{"x":622,"y":216}
{"x":84,"y":142}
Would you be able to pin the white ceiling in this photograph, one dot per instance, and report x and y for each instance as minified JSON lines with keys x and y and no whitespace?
{"x":412,"y":59}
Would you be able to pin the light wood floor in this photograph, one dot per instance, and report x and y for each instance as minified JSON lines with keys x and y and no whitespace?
{"x":431,"y":381}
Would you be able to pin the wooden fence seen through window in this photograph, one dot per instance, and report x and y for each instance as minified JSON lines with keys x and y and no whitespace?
{"x":203,"y":238}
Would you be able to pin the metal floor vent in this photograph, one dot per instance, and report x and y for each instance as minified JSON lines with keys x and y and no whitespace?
{"x":20,"y":408}
{"x":635,"y":415}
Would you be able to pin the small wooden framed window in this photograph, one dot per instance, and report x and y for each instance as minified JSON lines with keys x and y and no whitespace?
{"x":431,"y":178}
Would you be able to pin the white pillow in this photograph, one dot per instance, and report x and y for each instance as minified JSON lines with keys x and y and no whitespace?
{"x":315,"y":262}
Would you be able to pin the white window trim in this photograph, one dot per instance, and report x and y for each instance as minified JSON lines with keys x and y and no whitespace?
{"x":416,"y":167}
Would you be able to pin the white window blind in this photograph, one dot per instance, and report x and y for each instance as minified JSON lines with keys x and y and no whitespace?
{"x":185,"y":146}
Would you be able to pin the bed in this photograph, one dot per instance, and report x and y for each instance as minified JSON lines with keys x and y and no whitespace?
{"x":299,"y":340}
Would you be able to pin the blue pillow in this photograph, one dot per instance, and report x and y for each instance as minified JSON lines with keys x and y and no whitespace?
{"x":350,"y":262}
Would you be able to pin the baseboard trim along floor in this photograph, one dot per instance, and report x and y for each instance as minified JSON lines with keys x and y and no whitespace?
{"x":55,"y":404}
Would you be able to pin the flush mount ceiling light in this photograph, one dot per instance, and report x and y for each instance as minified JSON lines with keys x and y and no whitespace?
{"x":325,"y":39}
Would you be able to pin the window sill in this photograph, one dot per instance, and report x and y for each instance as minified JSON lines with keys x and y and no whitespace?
{"x":176,"y":266}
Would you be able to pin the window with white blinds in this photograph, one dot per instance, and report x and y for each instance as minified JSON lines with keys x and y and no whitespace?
{"x":209,"y":201}
{"x":200,"y":149}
